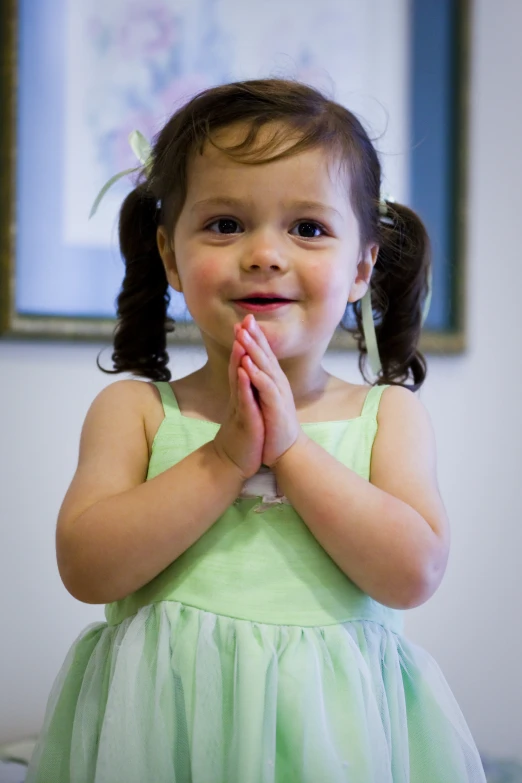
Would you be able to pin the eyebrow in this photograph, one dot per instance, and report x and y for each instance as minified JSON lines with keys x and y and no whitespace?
{"x":229,"y":201}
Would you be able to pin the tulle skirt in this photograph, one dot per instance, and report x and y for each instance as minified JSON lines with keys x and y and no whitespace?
{"x":175,"y":694}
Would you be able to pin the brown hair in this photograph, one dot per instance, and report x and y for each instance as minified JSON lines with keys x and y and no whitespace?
{"x":399,"y":282}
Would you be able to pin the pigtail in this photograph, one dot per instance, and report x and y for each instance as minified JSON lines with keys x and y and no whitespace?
{"x":140,"y":336}
{"x":399,"y":286}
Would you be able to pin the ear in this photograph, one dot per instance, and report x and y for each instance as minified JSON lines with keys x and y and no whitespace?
{"x":363,"y":273}
{"x":169,"y":259}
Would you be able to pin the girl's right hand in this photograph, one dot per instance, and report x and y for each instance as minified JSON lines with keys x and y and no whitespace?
{"x":241,"y":437}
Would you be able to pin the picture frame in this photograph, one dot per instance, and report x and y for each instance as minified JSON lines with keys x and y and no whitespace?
{"x":439,"y":61}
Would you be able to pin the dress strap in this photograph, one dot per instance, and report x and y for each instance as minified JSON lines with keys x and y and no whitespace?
{"x":168,"y":399}
{"x":373,"y":398}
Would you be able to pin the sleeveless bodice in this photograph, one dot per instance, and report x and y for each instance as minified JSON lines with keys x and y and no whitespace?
{"x":259,"y":561}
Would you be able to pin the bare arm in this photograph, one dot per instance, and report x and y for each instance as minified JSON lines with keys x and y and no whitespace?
{"x":390,"y":535}
{"x":116,"y":531}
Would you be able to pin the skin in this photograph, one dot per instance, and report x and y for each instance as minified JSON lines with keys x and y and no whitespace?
{"x":312,"y":255}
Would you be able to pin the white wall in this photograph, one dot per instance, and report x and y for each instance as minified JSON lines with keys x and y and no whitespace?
{"x":473,"y":625}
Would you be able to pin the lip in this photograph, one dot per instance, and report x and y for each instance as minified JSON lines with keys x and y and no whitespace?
{"x":252,"y":307}
{"x":264,"y":295}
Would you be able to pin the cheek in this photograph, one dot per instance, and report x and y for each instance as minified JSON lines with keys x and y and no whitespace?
{"x":202,"y":276}
{"x":327,"y":279}
{"x":329,"y":287}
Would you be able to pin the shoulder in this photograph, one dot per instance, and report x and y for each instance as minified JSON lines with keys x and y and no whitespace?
{"x":133,"y":398}
{"x":404,"y":428}
{"x":129,"y":393}
{"x":125,"y":403}
{"x":124,"y":411}
{"x":404,"y":460}
{"x":400,"y":402}
{"x":385,"y":400}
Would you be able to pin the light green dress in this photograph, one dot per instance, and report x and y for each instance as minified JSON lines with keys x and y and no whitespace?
{"x":252,"y":658}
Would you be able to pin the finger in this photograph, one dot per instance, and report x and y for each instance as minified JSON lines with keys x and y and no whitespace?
{"x":249,"y":341}
{"x":255,"y":375}
{"x":237,"y":353}
{"x":246,"y":399}
{"x":232,"y":371}
{"x":252,"y":327}
{"x":254,"y":350}
{"x":258,"y":335}
{"x":263,"y":382}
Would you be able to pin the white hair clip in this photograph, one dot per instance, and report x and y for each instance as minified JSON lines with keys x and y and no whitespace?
{"x":383,"y":208}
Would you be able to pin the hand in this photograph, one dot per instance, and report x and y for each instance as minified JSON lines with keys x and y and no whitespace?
{"x":282,"y":429}
{"x":241,"y":437}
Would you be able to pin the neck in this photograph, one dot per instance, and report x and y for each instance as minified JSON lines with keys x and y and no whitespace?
{"x":308,"y":381}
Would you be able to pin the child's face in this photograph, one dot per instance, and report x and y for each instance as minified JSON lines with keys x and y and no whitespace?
{"x":248,"y":228}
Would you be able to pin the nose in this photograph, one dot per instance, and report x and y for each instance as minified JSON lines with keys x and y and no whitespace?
{"x":264,"y":252}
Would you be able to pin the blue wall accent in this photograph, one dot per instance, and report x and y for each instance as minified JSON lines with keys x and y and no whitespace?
{"x":432,"y":125}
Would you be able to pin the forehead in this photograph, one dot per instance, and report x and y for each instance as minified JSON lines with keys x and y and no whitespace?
{"x":312,"y":171}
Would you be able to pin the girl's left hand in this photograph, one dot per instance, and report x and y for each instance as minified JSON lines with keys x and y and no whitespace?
{"x":282,"y":429}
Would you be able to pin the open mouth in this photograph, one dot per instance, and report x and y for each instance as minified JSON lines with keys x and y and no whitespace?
{"x":262,"y":300}
{"x":258,"y":303}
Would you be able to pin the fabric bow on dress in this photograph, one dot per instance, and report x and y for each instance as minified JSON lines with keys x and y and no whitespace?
{"x":263,"y":484}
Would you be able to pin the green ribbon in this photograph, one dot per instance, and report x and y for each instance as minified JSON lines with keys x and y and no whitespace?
{"x":143,"y":151}
{"x":370,"y":338}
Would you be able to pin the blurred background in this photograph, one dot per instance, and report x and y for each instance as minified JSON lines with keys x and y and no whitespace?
{"x":473,"y":625}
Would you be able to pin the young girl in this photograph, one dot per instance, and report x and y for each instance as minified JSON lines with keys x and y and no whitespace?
{"x":257,"y":528}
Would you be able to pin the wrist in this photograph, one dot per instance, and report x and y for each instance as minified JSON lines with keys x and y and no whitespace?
{"x":300,"y":444}
{"x":226,"y":463}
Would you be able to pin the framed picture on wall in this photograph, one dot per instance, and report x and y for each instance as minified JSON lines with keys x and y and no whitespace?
{"x":77,"y":78}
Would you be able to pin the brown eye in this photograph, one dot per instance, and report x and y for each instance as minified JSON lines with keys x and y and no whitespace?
{"x":307,"y":229}
{"x":225,"y":225}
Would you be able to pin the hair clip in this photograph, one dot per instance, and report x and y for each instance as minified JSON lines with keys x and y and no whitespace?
{"x":143,"y":151}
{"x":383,"y":208}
